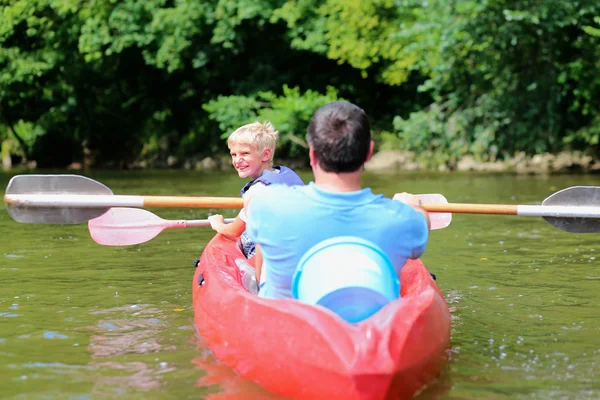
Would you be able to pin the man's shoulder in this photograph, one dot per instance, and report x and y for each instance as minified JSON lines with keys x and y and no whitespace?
{"x":281,"y":188}
{"x":274,"y":203}
{"x":383,"y":202}
{"x":389,"y":206}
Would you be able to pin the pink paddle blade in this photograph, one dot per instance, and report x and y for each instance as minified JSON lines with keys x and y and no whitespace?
{"x":126,"y":226}
{"x":438,"y":220}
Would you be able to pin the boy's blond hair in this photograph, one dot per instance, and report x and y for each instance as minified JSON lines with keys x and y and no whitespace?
{"x":261,"y":136}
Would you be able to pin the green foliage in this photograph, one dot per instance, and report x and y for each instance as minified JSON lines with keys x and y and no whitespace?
{"x":588,"y":136}
{"x":165,"y":34}
{"x":232,"y":112}
{"x":28,"y":133}
{"x":505,"y":77}
{"x":289,"y":113}
{"x":20,"y":138}
{"x":439,"y":135}
{"x":125,"y":79}
{"x":32,"y":54}
{"x":171,"y":36}
{"x":360,"y":33}
{"x":593,"y":30}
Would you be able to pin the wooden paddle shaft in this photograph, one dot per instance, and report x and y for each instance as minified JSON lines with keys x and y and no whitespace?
{"x":465,"y":208}
{"x":193,"y":202}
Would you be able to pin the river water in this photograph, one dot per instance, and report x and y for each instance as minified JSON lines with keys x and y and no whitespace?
{"x":83,"y":321}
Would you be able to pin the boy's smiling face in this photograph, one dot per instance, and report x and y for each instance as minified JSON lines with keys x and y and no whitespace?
{"x":247,"y":161}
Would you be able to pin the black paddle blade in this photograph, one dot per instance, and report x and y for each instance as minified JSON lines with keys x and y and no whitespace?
{"x":40,"y":185}
{"x":575,"y":196}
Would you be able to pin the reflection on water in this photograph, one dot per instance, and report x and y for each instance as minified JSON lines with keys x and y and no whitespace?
{"x":229,"y":385}
{"x":136,"y":333}
{"x":121,"y":332}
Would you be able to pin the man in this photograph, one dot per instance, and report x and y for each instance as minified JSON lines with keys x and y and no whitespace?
{"x":285,"y":222}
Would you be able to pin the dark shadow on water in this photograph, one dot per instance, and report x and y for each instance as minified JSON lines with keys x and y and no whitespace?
{"x":439,"y":389}
{"x":228,"y":385}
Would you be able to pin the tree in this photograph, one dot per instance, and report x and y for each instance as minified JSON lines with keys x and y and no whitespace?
{"x":506,"y":77}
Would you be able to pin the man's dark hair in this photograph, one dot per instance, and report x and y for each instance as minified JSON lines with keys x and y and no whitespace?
{"x":340,"y":135}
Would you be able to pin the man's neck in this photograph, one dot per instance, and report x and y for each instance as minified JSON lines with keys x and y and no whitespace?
{"x":338,"y":182}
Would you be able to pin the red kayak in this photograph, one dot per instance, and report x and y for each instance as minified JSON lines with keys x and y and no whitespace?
{"x":308,"y":352}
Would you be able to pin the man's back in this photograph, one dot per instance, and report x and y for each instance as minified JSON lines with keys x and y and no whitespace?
{"x":288,"y":221}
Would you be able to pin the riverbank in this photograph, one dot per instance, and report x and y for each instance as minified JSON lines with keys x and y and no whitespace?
{"x":563,"y":162}
{"x":398,"y":160}
{"x":383,"y":161}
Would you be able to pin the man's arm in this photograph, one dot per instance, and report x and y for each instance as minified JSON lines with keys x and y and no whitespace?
{"x":258,"y":258}
{"x":251,"y":192}
{"x":258,"y":262}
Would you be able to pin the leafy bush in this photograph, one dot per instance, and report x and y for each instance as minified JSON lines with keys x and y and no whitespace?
{"x":588,"y":136}
{"x":505,"y":78}
{"x":289,"y":113}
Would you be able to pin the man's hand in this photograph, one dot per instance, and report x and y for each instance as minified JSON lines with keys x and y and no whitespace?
{"x":408,"y":198}
{"x":414,"y":202}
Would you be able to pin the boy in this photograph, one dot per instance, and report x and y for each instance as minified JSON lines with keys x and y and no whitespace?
{"x":252,"y":148}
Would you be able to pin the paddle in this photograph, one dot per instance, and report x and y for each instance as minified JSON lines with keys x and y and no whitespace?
{"x":73,"y":199}
{"x":437,"y":220}
{"x":122,"y":226}
{"x":575,"y":209}
{"x":129,"y":226}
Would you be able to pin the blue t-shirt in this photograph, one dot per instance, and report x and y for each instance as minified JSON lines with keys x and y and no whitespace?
{"x":287,"y":221}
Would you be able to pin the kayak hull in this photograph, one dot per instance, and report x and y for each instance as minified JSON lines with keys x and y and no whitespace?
{"x":307,"y":352}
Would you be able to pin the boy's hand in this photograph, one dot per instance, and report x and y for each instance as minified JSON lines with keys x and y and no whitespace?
{"x":231,"y":231}
{"x":216,"y":221}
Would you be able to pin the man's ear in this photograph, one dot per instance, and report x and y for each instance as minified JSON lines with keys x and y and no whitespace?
{"x":311,"y":156}
{"x":371,"y":148}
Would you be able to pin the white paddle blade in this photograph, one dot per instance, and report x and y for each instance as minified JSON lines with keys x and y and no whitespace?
{"x":125,"y":227}
{"x":575,"y":196}
{"x":55,"y":184}
{"x":438,"y":220}
{"x":40,"y":185}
